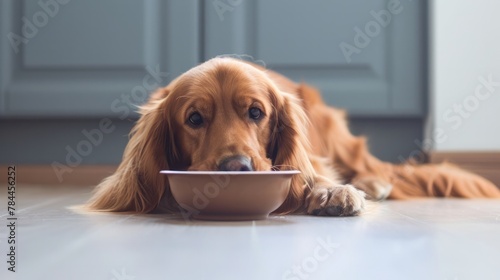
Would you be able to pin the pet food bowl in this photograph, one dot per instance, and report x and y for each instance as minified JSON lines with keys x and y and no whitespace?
{"x":229,"y":195}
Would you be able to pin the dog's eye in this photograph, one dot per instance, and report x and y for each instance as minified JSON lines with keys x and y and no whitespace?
{"x":195,"y":119}
{"x":255,"y":113}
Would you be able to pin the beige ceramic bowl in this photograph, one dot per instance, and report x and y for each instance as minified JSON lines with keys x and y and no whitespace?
{"x":232,"y":195}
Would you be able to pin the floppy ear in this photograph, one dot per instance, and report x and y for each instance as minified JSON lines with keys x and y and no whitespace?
{"x":137,"y":185}
{"x":288,"y":148}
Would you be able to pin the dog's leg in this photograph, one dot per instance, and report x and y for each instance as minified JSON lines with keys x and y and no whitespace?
{"x":350,"y":155}
{"x":330,"y":138}
{"x":328,"y":197}
{"x":361,"y":169}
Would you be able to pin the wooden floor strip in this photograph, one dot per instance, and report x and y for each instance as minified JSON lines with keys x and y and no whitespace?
{"x":84,"y":175}
{"x":486,"y":164}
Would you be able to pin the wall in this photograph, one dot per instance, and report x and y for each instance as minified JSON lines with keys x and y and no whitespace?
{"x":465,"y":75}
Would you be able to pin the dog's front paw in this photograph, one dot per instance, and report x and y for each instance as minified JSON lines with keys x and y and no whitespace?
{"x":343,"y":200}
{"x":374,"y":188}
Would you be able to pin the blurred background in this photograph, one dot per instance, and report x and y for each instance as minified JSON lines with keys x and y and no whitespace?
{"x":418,"y":78}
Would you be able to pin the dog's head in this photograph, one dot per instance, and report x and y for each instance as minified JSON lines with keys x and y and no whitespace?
{"x":228,"y":115}
{"x":224,"y":114}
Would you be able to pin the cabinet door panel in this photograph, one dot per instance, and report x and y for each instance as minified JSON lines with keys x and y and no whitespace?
{"x":88,"y":34}
{"x":303,"y":39}
{"x":86,"y":58}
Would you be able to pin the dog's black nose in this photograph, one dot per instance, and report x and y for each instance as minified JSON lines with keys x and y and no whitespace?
{"x":236,"y":163}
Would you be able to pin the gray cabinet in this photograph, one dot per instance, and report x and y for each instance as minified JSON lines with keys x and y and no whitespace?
{"x":76,"y":58}
{"x":65,"y":64}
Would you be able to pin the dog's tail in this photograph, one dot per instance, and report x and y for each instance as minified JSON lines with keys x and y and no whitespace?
{"x":439,"y":180}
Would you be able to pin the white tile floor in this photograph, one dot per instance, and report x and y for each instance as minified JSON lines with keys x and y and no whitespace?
{"x":422,"y":239}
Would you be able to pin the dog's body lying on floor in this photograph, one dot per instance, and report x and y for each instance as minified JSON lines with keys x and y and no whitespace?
{"x":227,"y":114}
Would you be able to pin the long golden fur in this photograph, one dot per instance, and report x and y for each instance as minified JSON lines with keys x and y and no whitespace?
{"x":294,"y":130}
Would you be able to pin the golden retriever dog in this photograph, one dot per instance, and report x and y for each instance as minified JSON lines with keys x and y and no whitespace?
{"x":231,"y":115}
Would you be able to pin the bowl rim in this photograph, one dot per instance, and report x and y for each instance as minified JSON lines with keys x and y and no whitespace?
{"x":281,"y":172}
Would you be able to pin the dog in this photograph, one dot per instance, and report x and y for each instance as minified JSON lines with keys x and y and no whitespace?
{"x":231,"y":115}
